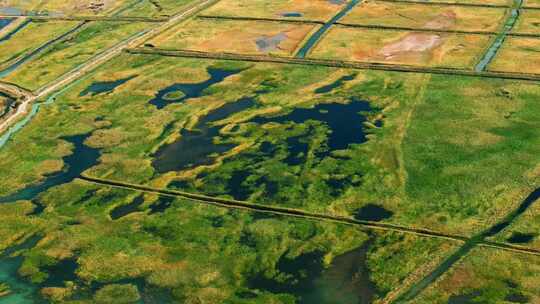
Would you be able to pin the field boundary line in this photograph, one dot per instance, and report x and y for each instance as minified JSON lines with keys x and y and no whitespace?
{"x":334,"y":63}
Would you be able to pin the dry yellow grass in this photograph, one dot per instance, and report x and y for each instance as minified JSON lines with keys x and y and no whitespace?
{"x":518,"y":55}
{"x":70,"y":7}
{"x":320,"y":10}
{"x":528,"y":22}
{"x":401,"y":47}
{"x":234,"y":36}
{"x":532,"y":3}
{"x":426,"y":16}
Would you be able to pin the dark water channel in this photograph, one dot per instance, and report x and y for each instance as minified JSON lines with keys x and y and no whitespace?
{"x":81,"y":159}
{"x":8,"y":106}
{"x":15,"y":30}
{"x":345,"y":281}
{"x":468,"y":246}
{"x":179,"y":92}
{"x":196,"y":147}
{"x":104,"y":86}
{"x":312,"y":41}
{"x":125,"y":209}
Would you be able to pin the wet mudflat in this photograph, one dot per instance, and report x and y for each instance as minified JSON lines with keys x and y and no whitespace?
{"x":196,"y":147}
{"x":104,"y":86}
{"x":180,"y":92}
{"x":81,"y":159}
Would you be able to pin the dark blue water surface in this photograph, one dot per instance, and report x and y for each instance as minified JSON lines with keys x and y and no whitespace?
{"x":191,"y":90}
{"x":196,"y":147}
{"x":104,"y":86}
{"x":345,"y":121}
{"x":336,"y":84}
{"x":81,"y":159}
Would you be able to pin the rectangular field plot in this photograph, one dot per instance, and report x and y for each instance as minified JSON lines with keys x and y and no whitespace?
{"x":313,"y":138}
{"x":92,"y":38}
{"x":235,"y":36}
{"x":64,"y":8}
{"x":27,"y":37}
{"x":435,"y":17}
{"x":487,"y":275}
{"x":528,"y":22}
{"x":519,"y":55}
{"x":154,"y":8}
{"x":401,"y":47}
{"x":318,"y":10}
{"x":475,"y":2}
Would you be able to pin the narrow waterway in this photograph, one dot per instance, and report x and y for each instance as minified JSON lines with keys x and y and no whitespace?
{"x":312,"y":41}
{"x":34,"y":53}
{"x":417,"y":288}
{"x":499,"y":40}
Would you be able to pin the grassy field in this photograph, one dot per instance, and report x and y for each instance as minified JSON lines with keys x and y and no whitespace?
{"x":488,"y":276}
{"x":319,"y":10}
{"x":155,"y":8}
{"x":32,"y":36}
{"x":69,"y":8}
{"x":436,"y":17}
{"x":518,"y":55}
{"x":413,"y":160}
{"x":401,"y":47}
{"x":528,"y":22}
{"x":62,"y":57}
{"x":232,"y":36}
{"x":183,"y":252}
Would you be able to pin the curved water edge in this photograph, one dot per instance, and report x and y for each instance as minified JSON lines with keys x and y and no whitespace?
{"x":4,"y":138}
{"x":499,"y":40}
{"x":312,"y":41}
{"x":417,"y":288}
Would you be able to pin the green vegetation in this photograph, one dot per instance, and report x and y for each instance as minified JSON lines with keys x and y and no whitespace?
{"x":184,"y":251}
{"x":31,"y":37}
{"x":64,"y":56}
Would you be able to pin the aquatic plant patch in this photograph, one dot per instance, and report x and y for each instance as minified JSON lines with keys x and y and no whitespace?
{"x":318,"y":10}
{"x":428,"y":49}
